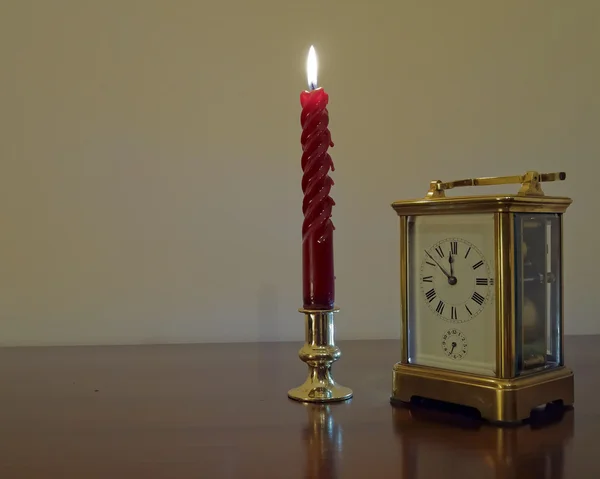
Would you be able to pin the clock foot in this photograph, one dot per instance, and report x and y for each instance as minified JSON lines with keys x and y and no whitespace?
{"x":319,"y":353}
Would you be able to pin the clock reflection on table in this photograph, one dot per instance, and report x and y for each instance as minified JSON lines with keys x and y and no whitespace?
{"x":431,"y":433}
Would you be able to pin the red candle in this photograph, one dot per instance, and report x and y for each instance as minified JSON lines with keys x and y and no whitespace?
{"x":317,"y":229}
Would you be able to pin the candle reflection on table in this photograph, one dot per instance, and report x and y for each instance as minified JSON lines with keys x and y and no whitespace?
{"x":323,"y":442}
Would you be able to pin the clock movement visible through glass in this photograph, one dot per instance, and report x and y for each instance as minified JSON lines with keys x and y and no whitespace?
{"x":537,"y":291}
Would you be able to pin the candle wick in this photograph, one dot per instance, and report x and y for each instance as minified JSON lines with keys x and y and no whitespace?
{"x":312,"y":86}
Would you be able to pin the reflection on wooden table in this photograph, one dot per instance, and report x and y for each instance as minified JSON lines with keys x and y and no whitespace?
{"x":430,"y":436}
{"x":531,"y":450}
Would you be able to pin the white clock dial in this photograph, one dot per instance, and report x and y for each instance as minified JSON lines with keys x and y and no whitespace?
{"x":454,"y":344}
{"x":455,"y":279}
{"x":451,"y":269}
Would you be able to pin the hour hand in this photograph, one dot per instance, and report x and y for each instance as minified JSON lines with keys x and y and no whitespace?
{"x":451,"y":279}
{"x":439,"y":265}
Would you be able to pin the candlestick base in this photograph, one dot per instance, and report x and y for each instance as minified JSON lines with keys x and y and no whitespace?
{"x":319,"y":353}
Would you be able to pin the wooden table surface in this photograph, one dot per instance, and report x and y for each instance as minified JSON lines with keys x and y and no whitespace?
{"x":221,"y":411}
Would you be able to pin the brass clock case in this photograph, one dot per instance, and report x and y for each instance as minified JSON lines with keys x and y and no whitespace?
{"x":507,"y":397}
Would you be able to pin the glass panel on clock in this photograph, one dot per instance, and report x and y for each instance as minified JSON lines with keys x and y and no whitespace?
{"x":411,"y":296}
{"x":451,"y":313}
{"x":537,"y":291}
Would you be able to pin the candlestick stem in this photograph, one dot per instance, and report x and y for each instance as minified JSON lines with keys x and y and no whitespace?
{"x":319,"y":353}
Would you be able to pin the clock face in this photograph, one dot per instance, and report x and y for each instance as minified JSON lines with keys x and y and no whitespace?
{"x":451,"y":292}
{"x":456,"y":280}
{"x":454,"y":344}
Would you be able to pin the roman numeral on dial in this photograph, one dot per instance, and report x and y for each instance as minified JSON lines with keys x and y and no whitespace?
{"x":478,"y":298}
{"x":482,"y":282}
{"x":453,"y":313}
{"x":427,"y":279}
{"x":430,"y":295}
{"x":440,"y":251}
{"x":478,"y":264}
{"x":440,"y":307}
{"x":454,"y":247}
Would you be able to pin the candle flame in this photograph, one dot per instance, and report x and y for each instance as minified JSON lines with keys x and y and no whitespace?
{"x":311,"y":68}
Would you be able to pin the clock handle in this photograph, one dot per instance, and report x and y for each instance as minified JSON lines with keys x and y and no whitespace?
{"x":530,"y":183}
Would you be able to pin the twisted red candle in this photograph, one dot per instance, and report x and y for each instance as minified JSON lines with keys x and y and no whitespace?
{"x":317,"y":228}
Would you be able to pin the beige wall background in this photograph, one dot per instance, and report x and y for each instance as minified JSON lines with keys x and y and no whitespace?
{"x":150,"y":156}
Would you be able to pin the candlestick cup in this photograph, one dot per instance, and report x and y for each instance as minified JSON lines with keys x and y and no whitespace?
{"x":319,"y":353}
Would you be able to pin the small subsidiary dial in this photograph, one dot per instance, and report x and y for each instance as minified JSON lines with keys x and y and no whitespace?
{"x":454,"y":344}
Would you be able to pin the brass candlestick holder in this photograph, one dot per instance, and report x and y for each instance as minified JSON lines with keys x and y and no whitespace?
{"x":319,"y":353}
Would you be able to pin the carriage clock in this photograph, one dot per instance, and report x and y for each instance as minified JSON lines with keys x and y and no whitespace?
{"x":481,"y":286}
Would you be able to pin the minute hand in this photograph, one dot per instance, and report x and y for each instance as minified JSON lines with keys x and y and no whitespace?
{"x":440,"y":266}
